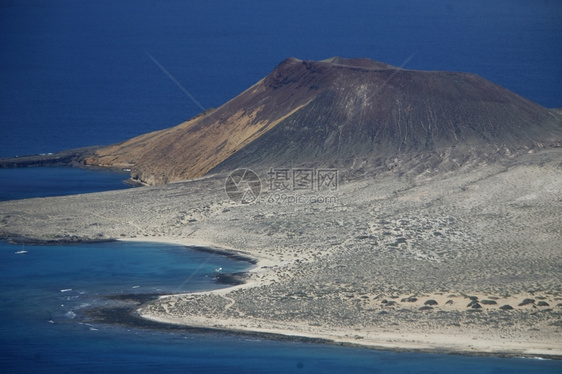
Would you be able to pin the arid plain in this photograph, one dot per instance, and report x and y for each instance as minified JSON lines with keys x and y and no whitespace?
{"x":467,"y":260}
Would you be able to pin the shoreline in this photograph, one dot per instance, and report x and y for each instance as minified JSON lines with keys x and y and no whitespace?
{"x":438,"y":343}
{"x":259,"y":263}
{"x":15,"y":240}
{"x":349,"y":342}
{"x":130,"y":316}
{"x":423,"y":264}
{"x":70,"y":157}
{"x":424,"y":342}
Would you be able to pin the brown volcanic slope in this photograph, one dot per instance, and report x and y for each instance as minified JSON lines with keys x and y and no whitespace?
{"x":336,"y":111}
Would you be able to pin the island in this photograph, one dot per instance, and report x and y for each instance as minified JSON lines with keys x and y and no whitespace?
{"x":388,"y":208}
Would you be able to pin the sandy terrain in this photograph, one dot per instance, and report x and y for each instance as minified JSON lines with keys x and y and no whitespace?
{"x":362,"y":267}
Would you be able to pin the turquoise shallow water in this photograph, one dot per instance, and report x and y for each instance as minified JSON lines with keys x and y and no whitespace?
{"x":44,"y":291}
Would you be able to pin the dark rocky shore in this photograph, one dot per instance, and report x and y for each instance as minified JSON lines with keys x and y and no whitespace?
{"x":58,"y":241}
{"x":127,"y":315}
{"x":233,"y":255}
{"x":71,"y":157}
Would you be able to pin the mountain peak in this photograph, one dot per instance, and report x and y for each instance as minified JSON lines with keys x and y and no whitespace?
{"x":333,"y":111}
{"x":357,"y":63}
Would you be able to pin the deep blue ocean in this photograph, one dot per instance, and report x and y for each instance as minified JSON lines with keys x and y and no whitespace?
{"x":78,"y":73}
{"x":27,"y":183}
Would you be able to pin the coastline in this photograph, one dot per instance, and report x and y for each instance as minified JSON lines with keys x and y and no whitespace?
{"x":441,"y":342}
{"x":418,"y":342}
{"x":71,"y":157}
{"x":259,"y":264}
{"x":425,"y":342}
{"x":358,"y":271}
